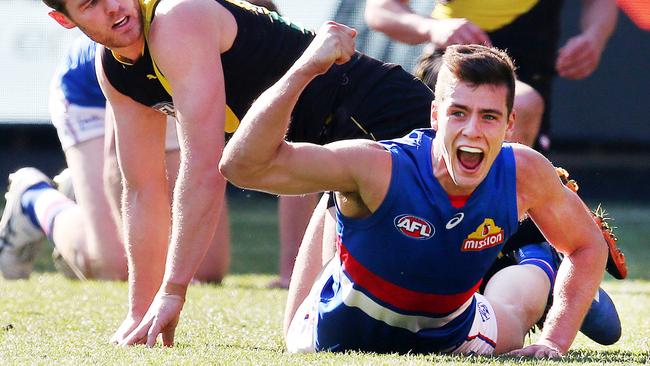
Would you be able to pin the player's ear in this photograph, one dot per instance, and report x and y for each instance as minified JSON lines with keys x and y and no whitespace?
{"x":510,"y":125}
{"x":62,"y":19}
{"x":434,"y":115}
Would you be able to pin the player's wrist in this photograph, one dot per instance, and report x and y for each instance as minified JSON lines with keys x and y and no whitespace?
{"x":554,"y":345}
{"x":174,"y":289}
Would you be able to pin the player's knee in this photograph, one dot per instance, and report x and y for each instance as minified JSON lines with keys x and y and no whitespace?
{"x":529,"y":103}
{"x":114,"y":269}
{"x":522,"y":289}
{"x":214,"y":278}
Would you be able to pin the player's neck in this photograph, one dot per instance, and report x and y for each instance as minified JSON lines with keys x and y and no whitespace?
{"x":131,"y":53}
{"x":441,"y":173}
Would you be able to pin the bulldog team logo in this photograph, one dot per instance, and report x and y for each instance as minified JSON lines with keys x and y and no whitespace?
{"x":485,"y":236}
{"x":414,"y":227}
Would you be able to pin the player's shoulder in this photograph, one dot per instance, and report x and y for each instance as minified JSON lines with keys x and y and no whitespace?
{"x":528,"y":160}
{"x":178,"y":22}
{"x":536,"y":177}
{"x":179,"y":10}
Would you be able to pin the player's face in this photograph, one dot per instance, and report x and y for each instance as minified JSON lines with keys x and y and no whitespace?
{"x":113,"y":23}
{"x":472,"y":122}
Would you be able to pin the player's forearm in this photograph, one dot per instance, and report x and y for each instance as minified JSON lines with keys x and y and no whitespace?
{"x":256,"y":143}
{"x":146,"y":215}
{"x":598,"y":19}
{"x":398,"y":21}
{"x":577,"y":281}
{"x":198,"y":199}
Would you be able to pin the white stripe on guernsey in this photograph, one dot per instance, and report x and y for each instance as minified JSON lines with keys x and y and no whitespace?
{"x":413,"y":323}
{"x":49,"y":204}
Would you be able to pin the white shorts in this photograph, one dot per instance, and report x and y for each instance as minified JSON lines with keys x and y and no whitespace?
{"x":301,"y":336}
{"x":482,"y":337}
{"x":76,"y":124}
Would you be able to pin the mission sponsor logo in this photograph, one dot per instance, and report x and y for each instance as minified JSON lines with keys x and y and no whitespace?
{"x":414,"y":227}
{"x":485,"y":236}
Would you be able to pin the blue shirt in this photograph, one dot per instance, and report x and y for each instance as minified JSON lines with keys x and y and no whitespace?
{"x":75,"y":76}
{"x":407,"y":274}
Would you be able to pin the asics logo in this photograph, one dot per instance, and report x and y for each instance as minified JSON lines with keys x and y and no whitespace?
{"x":455,"y":221}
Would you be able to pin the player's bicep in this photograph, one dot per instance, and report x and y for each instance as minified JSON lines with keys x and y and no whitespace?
{"x":302,"y":168}
{"x":188,"y":56}
{"x":556,"y":210}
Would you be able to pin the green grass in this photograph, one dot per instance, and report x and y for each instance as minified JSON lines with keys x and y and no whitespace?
{"x":50,"y":320}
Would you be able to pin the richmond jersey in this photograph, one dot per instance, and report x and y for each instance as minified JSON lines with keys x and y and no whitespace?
{"x":264,"y":48}
{"x":407,"y":274}
{"x":75,"y":76}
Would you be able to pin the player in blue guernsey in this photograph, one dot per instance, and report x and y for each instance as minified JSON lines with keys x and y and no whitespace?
{"x":409,"y":255}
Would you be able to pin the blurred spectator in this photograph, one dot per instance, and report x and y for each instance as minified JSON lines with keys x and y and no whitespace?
{"x":528,"y":30}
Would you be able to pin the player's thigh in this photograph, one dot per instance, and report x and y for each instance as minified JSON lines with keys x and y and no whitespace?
{"x":103,"y":245}
{"x":518,"y":296}
{"x":86,"y":164}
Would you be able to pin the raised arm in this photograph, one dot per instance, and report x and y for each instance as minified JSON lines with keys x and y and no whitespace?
{"x":398,"y":21}
{"x":566,"y":223}
{"x":188,"y":54}
{"x":140,"y":133}
{"x":258,"y":157}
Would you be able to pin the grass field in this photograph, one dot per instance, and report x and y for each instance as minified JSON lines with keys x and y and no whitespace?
{"x":50,"y":320}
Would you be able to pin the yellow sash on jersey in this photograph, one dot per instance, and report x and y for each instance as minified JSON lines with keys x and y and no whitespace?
{"x":489,"y":15}
{"x":148,"y":7}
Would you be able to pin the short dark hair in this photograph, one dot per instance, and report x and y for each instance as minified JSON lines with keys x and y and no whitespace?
{"x":57,"y":5}
{"x":474,"y":64}
{"x":428,"y":67}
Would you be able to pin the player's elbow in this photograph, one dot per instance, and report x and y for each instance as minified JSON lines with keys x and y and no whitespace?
{"x":602,"y":251}
{"x":593,"y":254}
{"x":238,"y":171}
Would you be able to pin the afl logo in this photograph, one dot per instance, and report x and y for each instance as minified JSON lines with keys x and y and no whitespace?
{"x":414,"y":227}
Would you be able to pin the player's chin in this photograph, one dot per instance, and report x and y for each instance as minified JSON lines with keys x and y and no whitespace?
{"x":469,"y":177}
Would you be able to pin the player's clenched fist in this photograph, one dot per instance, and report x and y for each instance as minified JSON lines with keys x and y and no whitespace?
{"x":334,"y":44}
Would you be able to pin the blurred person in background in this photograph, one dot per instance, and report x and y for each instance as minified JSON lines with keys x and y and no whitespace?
{"x":529,"y":30}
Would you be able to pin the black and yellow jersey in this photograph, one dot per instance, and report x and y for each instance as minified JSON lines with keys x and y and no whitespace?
{"x":364,"y":98}
{"x":491,"y":15}
{"x":488,"y":15}
{"x":265,"y":46}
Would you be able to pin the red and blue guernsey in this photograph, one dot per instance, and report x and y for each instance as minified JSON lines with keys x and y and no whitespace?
{"x":404,"y":278}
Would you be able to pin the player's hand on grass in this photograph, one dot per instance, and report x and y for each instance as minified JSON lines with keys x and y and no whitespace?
{"x":538,"y":350}
{"x":161,"y":318}
{"x":125,"y":328}
{"x":334,"y":44}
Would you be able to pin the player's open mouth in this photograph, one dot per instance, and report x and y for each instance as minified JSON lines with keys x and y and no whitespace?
{"x":121,"y":22}
{"x":469,"y":158}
